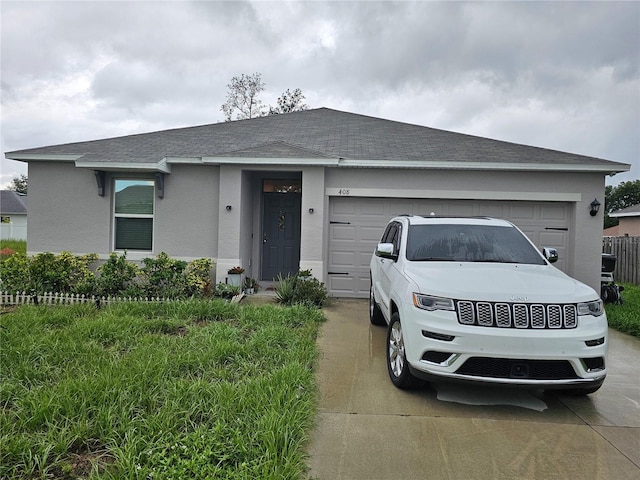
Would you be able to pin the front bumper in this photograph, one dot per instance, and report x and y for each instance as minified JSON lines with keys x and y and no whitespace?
{"x":437,"y":346}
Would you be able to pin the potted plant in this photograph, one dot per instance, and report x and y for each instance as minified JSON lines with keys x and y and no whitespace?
{"x":235,"y":276}
{"x":250,"y":285}
{"x":304,"y":274}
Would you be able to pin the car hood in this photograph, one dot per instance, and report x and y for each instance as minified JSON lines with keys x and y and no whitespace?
{"x":497,"y":282}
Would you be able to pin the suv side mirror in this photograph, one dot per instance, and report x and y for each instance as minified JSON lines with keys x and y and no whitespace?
{"x":551,"y":254}
{"x":385,"y":250}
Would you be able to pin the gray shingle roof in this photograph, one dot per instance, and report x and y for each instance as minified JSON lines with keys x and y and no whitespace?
{"x":317,"y":133}
{"x":632,"y":211}
{"x":12,"y":202}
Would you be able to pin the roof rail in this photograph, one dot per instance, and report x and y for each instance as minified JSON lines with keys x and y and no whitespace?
{"x":432,"y":215}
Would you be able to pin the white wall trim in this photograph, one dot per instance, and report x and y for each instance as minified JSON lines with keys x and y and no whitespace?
{"x":454,"y":194}
{"x":316,"y":267}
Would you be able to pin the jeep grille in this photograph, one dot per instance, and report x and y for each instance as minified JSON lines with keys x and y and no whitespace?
{"x":517,"y":315}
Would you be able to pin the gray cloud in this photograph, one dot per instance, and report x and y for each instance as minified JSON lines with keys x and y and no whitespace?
{"x":561,"y":75}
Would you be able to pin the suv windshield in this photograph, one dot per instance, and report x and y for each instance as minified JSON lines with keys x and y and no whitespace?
{"x":470,"y":243}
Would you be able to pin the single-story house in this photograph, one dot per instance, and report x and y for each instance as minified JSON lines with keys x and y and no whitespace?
{"x":629,"y":225}
{"x":13,"y":215}
{"x":305,"y":190}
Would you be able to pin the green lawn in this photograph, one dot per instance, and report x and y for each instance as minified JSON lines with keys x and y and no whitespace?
{"x":165,"y":391}
{"x":626,"y":317}
{"x":19,"y":246}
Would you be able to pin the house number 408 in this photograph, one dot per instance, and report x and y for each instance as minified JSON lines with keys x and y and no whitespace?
{"x":344,"y":191}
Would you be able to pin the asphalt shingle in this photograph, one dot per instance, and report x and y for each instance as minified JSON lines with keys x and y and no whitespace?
{"x":315,"y":133}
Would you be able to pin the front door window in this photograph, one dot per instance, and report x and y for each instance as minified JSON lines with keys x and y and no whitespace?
{"x":282,"y":186}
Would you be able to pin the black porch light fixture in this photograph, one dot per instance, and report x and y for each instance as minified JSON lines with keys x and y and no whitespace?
{"x":594,"y":207}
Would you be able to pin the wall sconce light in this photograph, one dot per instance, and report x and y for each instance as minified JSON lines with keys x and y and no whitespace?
{"x":311,"y":210}
{"x":228,"y":207}
{"x":594,"y":207}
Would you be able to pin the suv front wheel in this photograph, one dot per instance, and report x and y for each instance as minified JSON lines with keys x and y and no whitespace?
{"x":396,"y":357}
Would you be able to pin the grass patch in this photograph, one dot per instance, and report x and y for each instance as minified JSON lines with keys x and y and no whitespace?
{"x":177,"y":390}
{"x":18,"y":246}
{"x":626,"y":317}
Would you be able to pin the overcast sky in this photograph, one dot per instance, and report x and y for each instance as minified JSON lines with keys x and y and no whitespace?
{"x":560,"y":75}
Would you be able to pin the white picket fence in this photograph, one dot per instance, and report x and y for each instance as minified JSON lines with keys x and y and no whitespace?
{"x":25,"y":298}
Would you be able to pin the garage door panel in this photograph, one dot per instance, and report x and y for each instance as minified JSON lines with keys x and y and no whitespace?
{"x":552,"y":239}
{"x":344,"y":259}
{"x":553,"y":212}
{"x":462,"y":210}
{"x":522,"y":213}
{"x":343,"y":232}
{"x":375,"y":208}
{"x":488,"y":210}
{"x":345,"y":285}
{"x":351,"y":246}
{"x":371,"y":233}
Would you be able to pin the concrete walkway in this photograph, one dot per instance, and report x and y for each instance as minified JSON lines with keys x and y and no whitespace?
{"x":367,"y":429}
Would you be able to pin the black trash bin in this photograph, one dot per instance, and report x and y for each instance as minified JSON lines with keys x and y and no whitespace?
{"x":609,"y":291}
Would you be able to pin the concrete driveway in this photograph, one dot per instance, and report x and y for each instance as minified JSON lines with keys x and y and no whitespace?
{"x":368,"y":429}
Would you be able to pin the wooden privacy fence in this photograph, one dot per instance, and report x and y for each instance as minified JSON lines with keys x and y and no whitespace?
{"x":627,"y":249}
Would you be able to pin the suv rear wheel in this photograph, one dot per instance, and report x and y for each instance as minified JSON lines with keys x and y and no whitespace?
{"x":396,"y":358}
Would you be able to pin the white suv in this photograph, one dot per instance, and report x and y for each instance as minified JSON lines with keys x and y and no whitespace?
{"x":473,"y":299}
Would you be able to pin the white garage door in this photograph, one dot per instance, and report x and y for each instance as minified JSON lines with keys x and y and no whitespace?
{"x":356,"y":225}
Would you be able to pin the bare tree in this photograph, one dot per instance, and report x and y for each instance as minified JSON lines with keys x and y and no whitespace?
{"x":243,"y":97}
{"x":289,"y":102}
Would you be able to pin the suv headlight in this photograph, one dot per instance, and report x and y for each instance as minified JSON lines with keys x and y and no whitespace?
{"x":594,"y":308}
{"x":427,"y":302}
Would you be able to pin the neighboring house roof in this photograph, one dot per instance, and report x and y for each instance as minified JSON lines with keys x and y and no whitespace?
{"x":632,"y":211}
{"x":313,"y":137}
{"x":13,"y":202}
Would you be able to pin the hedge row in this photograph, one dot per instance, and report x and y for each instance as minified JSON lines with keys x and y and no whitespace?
{"x":76,"y":274}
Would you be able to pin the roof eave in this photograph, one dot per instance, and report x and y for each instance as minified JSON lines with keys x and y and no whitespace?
{"x":161,"y":166}
{"x":42,"y":157}
{"x":512,"y":166}
{"x":625,"y":215}
{"x":289,"y":161}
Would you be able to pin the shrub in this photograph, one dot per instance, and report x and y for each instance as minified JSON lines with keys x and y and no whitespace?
{"x":225,"y":290}
{"x":163,"y":276}
{"x":117,"y":277}
{"x":68,"y":273}
{"x":300,"y":289}
{"x":198,"y":277}
{"x":14,"y":273}
{"x":46,"y":272}
{"x":77,"y":275}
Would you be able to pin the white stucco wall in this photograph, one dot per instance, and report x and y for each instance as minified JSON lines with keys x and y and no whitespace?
{"x":192,"y":221}
{"x":230,"y":192}
{"x":313,"y":223}
{"x":65,"y":211}
{"x":186,"y":219}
